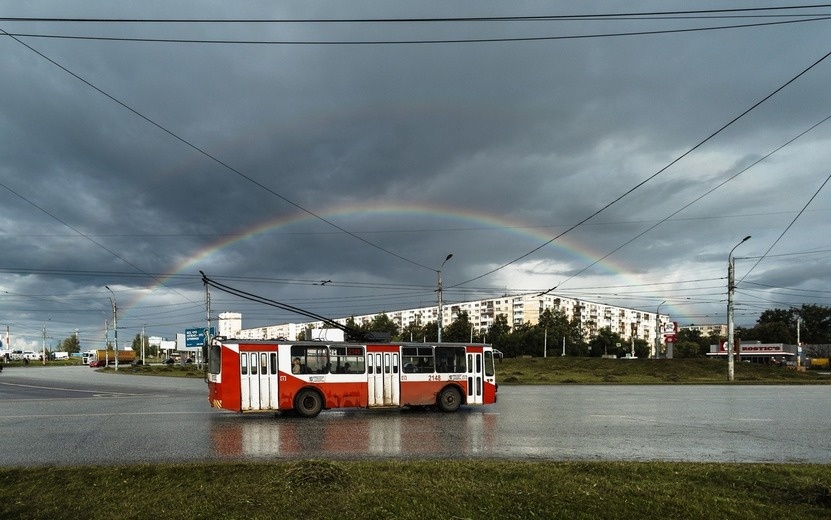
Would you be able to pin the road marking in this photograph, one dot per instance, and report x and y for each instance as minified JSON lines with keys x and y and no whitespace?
{"x":51,"y":416}
{"x":69,"y":389}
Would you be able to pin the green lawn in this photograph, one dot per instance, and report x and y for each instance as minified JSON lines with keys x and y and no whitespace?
{"x":419,"y":490}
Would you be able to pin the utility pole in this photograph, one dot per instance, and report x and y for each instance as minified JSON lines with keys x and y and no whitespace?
{"x":440,"y":317}
{"x":115,"y":325}
{"x":658,"y":330}
{"x":731,"y":285}
{"x":142,"y":342}
{"x":208,"y":318}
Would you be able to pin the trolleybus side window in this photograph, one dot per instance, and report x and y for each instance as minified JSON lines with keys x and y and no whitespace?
{"x":243,"y":359}
{"x":347,"y":360}
{"x":418,"y":360}
{"x":450,"y":359}
{"x":313,"y":359}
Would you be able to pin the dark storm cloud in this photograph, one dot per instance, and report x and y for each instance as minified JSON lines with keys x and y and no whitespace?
{"x":510,"y":144}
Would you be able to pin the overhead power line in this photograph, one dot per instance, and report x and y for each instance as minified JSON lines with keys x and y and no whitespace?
{"x":431,"y":41}
{"x":586,"y":16}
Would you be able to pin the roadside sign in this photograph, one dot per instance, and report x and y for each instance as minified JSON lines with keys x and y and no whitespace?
{"x":196,"y":337}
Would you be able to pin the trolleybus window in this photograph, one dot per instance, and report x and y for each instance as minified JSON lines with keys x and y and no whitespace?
{"x":313,"y":359}
{"x":450,"y":359}
{"x":347,"y":360}
{"x":243,"y":359}
{"x":418,"y":359}
{"x":490,"y":370}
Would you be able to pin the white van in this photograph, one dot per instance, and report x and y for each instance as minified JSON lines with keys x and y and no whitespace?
{"x":31,"y":355}
{"x":60,"y":355}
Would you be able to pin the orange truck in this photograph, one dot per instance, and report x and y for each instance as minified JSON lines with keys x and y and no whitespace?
{"x":100,"y":358}
{"x":820,"y":362}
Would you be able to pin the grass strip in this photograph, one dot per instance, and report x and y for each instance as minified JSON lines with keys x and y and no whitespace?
{"x":323,"y":489}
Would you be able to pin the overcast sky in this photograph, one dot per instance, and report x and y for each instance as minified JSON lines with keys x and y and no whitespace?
{"x":618,"y":159}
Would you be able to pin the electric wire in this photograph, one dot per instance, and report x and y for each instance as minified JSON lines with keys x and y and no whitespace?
{"x":414,"y":41}
{"x":209,"y":156}
{"x":695,"y":200}
{"x":654,"y":175}
{"x":787,"y":228}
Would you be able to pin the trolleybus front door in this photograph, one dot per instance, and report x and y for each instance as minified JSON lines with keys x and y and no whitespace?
{"x":258,"y":381}
{"x":383,"y":379}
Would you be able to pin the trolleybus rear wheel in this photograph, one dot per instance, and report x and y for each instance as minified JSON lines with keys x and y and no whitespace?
{"x":308,"y":403}
{"x":449,"y":399}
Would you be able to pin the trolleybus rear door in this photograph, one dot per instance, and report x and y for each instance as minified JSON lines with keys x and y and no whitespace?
{"x":475,"y":375}
{"x":383,"y":378}
{"x":258,"y":380}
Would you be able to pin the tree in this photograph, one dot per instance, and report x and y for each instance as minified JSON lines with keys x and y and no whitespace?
{"x":780,"y":325}
{"x":383,"y":323}
{"x":498,"y":334}
{"x":691,"y":344}
{"x":459,"y":331}
{"x":816,"y":324}
{"x":70,"y":344}
{"x":606,"y":342}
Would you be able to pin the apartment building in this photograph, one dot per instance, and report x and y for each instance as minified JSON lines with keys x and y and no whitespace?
{"x":518,"y":309}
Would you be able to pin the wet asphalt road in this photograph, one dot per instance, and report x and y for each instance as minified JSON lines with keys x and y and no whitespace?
{"x":77,"y":415}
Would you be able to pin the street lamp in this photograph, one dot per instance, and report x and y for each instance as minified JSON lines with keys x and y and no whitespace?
{"x":115,"y":325}
{"x":658,"y":330}
{"x":441,"y":314}
{"x":731,"y":268}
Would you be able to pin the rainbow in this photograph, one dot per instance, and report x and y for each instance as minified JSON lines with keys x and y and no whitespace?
{"x":469,"y":219}
{"x":537,"y":235}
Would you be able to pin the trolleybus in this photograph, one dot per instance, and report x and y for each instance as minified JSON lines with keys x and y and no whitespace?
{"x":310,"y":376}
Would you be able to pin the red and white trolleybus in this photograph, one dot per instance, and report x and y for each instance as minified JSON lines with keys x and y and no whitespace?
{"x":307,"y":376}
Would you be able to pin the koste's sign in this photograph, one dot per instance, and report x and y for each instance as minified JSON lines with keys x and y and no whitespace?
{"x":766,"y":348}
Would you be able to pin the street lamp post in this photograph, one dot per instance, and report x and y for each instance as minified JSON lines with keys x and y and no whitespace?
{"x":115,"y":325}
{"x":441,"y":314}
{"x":731,"y":273}
{"x":658,"y":330}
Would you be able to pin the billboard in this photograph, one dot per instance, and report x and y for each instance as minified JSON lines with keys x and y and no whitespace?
{"x":196,"y":337}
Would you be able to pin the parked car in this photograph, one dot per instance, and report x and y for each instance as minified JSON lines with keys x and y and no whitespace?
{"x":98,"y":363}
{"x":497,"y":354}
{"x":31,"y":355}
{"x":169,"y":361}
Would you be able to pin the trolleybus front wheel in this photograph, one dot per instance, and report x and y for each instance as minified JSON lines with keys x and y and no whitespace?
{"x":450,"y":399}
{"x":308,"y":403}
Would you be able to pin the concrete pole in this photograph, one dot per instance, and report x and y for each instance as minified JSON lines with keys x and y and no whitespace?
{"x":731,"y":268}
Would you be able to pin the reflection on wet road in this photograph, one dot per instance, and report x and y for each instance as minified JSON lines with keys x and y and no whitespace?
{"x":356,"y":434}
